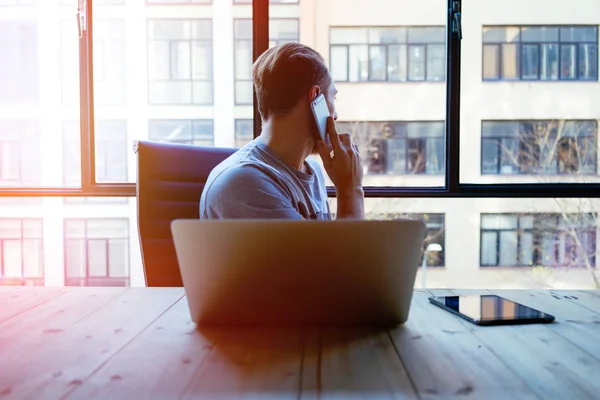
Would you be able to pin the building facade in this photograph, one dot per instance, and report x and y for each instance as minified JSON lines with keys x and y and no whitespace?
{"x":180,"y":71}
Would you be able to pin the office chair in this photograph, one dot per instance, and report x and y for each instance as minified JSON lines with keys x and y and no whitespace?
{"x":170,"y":181}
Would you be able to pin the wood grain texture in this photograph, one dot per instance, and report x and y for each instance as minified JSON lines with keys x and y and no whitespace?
{"x":170,"y":351}
{"x":64,"y":350}
{"x":446,"y":361}
{"x":353,"y":363}
{"x":551,"y":366}
{"x":249,"y":363}
{"x":119,"y":343}
{"x":15,"y":301}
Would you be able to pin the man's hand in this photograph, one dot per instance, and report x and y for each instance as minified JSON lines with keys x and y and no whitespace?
{"x":345,"y":167}
{"x":345,"y":170}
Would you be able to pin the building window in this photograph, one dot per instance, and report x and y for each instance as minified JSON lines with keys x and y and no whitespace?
{"x":539,"y":147}
{"x":546,"y":53}
{"x":96,"y":252}
{"x":551,"y":240}
{"x":20,"y":155}
{"x":244,"y":132}
{"x":399,"y":148}
{"x":280,"y":31}
{"x":109,"y":62}
{"x":111,"y":157}
{"x":19,"y":81}
{"x":435,"y":232}
{"x":21,"y":259}
{"x":393,"y":54}
{"x":184,"y":131}
{"x":180,"y":61}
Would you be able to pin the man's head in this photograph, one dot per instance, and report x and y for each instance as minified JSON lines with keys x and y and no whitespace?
{"x":287,"y":78}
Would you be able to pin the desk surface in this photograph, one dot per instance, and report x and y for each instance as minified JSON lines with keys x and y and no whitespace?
{"x":139,"y":343}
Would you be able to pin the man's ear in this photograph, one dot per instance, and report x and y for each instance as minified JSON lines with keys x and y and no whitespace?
{"x":314,"y":92}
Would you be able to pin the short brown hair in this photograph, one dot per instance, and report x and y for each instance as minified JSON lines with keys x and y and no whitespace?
{"x":285,"y":73}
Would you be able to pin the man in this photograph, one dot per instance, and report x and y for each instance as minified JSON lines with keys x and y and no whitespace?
{"x":272,"y":176}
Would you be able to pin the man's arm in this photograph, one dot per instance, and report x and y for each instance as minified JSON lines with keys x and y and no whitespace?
{"x":345,"y":171}
{"x":245,"y":191}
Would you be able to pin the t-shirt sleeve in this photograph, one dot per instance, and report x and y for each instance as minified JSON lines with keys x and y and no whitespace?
{"x":246,"y":191}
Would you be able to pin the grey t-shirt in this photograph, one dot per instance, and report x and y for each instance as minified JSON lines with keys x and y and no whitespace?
{"x":254,"y":183}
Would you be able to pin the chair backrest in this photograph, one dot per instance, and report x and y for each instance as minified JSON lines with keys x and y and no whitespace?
{"x":170,"y":181}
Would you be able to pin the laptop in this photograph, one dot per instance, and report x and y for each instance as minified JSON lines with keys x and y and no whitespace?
{"x":298,"y":273}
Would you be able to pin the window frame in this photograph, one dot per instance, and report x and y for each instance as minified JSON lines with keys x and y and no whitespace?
{"x":260,"y":17}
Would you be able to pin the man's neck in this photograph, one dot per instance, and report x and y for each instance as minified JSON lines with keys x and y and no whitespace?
{"x":288,"y":140}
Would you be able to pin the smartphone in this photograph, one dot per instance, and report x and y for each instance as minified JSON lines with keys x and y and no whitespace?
{"x":490,"y":309}
{"x":321,"y":113}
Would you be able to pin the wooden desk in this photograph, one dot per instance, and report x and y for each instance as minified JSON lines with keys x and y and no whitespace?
{"x":117,"y":343}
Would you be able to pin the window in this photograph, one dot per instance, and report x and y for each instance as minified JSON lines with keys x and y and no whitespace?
{"x":399,"y":147}
{"x":21,"y":261}
{"x":393,"y":54}
{"x":551,"y":240}
{"x":280,"y":31}
{"x":109,"y":62}
{"x":244,"y":132}
{"x":197,"y":132}
{"x":20,"y":154}
{"x":539,"y":147}
{"x":546,"y":53}
{"x":180,"y":61}
{"x":96,"y":252}
{"x":19,"y":65}
{"x":111,"y":152}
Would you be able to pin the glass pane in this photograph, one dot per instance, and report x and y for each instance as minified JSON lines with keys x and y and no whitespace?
{"x":33,"y":263}
{"x":530,"y":62}
{"x":377,"y":63}
{"x":118,"y":258}
{"x":568,"y":60}
{"x":491,"y":62}
{"x":12,"y":258}
{"x":510,"y":61}
{"x":31,"y":95}
{"x":98,"y":262}
{"x":348,"y":35}
{"x":539,"y":34}
{"x":492,"y":34}
{"x":416,"y":63}
{"x":588,"y":61}
{"x":549,"y":62}
{"x":358,"y":63}
{"x":397,"y":63}
{"x":522,"y":116}
{"x":339,"y":63}
{"x":387,"y":35}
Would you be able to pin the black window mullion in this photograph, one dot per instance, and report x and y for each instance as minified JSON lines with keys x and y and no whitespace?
{"x":260,"y":43}
{"x":452,"y":171}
